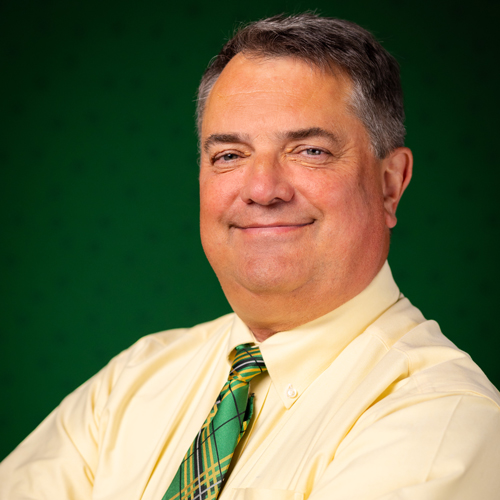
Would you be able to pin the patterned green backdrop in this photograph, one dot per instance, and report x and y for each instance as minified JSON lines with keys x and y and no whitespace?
{"x":98,"y":186}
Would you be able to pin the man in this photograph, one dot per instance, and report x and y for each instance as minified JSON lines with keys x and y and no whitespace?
{"x":302,"y":169}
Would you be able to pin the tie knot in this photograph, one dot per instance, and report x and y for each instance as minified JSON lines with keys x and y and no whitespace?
{"x":247,"y":364}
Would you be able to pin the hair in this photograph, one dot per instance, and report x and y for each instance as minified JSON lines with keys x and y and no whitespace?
{"x":329,"y":44}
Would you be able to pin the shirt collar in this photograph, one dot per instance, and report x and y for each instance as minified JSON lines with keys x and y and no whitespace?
{"x":295,"y":358}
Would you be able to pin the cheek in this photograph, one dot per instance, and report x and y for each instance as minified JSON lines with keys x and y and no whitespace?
{"x":336,"y":194}
{"x":211,"y":201}
{"x":209,"y":216}
{"x":354,"y":208}
{"x":216,"y":200}
{"x":218,"y":193}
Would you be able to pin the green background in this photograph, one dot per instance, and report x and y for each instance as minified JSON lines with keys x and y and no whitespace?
{"x":99,"y":197}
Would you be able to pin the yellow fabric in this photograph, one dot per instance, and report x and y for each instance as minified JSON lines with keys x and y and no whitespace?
{"x":370,"y":401}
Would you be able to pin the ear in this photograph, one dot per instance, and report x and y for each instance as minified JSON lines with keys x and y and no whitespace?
{"x":396,"y":170}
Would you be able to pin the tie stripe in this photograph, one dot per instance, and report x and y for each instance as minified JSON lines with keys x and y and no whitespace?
{"x":203,"y":470}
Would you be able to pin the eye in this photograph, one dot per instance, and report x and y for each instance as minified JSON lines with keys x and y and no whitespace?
{"x":310,"y":156}
{"x":313,"y":151}
{"x":229,"y":157}
{"x":225,"y":157}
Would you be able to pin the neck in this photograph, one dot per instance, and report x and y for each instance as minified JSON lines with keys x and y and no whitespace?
{"x":266,"y":320}
{"x":267,"y":314}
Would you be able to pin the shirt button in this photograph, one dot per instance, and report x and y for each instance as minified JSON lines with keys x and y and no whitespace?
{"x":291,"y":392}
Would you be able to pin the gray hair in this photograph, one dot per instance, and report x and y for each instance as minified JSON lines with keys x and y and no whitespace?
{"x":328,"y":43}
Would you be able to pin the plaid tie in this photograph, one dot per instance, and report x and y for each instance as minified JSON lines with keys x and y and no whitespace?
{"x":203,"y":471}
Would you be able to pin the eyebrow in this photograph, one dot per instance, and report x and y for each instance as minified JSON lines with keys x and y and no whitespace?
{"x":223,"y":139}
{"x":293,"y":135}
{"x":307,"y":133}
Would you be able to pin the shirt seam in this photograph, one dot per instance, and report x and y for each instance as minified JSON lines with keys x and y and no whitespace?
{"x":441,"y":440}
{"x":376,"y":333}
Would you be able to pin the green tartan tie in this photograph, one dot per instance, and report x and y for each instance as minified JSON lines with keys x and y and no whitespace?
{"x":203,"y":471}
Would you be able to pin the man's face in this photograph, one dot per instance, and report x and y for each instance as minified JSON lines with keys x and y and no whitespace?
{"x":291,"y":193}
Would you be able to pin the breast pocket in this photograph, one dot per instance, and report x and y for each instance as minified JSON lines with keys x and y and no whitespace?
{"x":264,"y":494}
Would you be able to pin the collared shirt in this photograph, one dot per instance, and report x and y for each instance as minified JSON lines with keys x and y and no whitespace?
{"x":370,"y":401}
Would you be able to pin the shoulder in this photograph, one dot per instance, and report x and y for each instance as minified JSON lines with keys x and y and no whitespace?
{"x":178,"y":339}
{"x":431,"y":365}
{"x":149,"y":359}
{"x":427,"y":394}
{"x":169,"y":345}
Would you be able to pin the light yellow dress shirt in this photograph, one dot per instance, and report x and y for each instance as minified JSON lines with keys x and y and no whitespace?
{"x":370,"y":401}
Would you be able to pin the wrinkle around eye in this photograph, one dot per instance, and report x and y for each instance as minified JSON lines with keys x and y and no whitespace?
{"x":219,"y":162}
{"x":320,"y":160}
{"x":312,"y":164}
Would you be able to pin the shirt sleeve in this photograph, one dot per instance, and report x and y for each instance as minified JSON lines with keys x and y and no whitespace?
{"x":59,"y":458}
{"x":443,"y":448}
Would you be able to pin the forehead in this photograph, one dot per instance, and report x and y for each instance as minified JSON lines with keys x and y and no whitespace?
{"x":267,"y":90}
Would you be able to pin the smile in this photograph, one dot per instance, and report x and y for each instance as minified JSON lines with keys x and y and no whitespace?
{"x":273,"y":228}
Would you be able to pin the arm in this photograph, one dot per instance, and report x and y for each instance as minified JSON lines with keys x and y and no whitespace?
{"x":442,"y":448}
{"x":59,"y":458}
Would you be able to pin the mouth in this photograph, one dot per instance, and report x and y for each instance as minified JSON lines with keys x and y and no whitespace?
{"x":272,"y":228}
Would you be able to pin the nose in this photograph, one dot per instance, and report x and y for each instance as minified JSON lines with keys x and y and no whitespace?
{"x":266,"y":182}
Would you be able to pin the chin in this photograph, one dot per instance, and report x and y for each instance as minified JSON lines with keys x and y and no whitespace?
{"x":271,"y":279}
